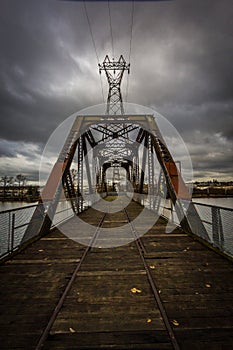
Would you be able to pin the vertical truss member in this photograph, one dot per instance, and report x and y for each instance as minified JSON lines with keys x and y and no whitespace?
{"x":114,"y":71}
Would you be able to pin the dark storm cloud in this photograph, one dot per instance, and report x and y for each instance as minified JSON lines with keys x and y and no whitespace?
{"x":210,"y":116}
{"x":44,"y":68}
{"x":181,"y":64}
{"x":188,"y":49}
{"x":189,"y":79}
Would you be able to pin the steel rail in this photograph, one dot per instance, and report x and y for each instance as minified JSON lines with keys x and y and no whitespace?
{"x":155,"y":290}
{"x":142,"y":251}
{"x":60,"y":303}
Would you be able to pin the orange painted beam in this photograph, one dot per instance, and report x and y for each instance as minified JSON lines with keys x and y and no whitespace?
{"x":53,"y":181}
{"x":177,"y":181}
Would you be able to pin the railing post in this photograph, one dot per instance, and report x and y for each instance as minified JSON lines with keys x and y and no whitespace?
{"x":9,"y":231}
{"x":217,"y":230}
{"x":172,"y":214}
{"x":12,"y":231}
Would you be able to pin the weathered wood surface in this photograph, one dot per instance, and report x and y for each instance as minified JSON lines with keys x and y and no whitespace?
{"x":195,"y":285}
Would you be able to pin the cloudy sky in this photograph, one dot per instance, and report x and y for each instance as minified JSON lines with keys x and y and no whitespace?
{"x":181,"y":65}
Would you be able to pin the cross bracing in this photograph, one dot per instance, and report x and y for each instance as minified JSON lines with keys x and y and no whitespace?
{"x":116,"y":141}
{"x":145,"y":153}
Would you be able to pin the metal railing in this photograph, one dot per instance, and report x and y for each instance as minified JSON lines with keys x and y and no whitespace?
{"x":13,"y":224}
{"x":63,"y":213}
{"x":217,"y":221}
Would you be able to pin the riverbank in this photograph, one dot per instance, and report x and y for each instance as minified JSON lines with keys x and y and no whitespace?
{"x":213,"y":191}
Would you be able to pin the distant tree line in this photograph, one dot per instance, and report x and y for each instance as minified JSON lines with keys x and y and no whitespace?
{"x":16,"y":188}
{"x":213,"y":188}
{"x":213,"y":183}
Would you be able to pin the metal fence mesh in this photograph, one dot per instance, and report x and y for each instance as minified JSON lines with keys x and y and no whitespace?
{"x":13,"y":224}
{"x":64,"y":212}
{"x":5,"y":231}
{"x":206,"y":218}
{"x":218,"y":221}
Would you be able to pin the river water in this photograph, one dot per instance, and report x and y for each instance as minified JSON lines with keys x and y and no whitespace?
{"x":14,"y":205}
{"x":226,"y":202}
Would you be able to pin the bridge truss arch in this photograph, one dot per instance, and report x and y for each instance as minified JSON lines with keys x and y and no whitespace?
{"x":94,"y":146}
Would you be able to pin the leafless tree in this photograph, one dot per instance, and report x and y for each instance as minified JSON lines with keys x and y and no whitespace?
{"x":6,"y":181}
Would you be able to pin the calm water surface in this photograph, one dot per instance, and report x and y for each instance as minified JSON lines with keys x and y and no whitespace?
{"x":13,"y":205}
{"x":220,"y":202}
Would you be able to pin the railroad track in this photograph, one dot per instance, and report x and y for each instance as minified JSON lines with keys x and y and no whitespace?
{"x":141,"y":252}
{"x":155,"y":290}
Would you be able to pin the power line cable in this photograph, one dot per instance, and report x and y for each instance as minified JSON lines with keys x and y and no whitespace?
{"x":131,"y":30}
{"x":94,"y":45}
{"x":102,"y":89}
{"x":110,"y":23}
{"x":89,"y":24}
{"x":130,"y":47}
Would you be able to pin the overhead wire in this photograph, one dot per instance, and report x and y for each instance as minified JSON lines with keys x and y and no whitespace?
{"x":112,"y":41}
{"x":94,"y":45}
{"x":130,"y":47}
{"x":111,"y":32}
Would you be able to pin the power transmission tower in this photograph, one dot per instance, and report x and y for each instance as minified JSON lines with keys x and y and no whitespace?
{"x":114,"y":71}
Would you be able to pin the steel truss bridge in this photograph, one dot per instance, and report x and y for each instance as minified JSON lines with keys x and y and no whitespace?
{"x":91,"y":297}
{"x":130,"y":147}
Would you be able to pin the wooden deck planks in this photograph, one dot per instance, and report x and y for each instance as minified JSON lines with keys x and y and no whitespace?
{"x":195,"y":285}
{"x":31,"y":285}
